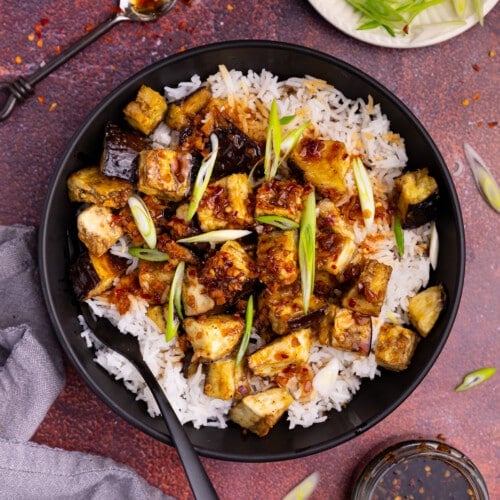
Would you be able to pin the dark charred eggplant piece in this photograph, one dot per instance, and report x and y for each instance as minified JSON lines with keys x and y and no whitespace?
{"x":309,"y":320}
{"x":121,"y":151}
{"x":237,"y":152}
{"x":418,"y":198}
{"x":91,"y":275}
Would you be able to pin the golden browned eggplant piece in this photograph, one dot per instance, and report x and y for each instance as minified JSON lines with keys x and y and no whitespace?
{"x":395,"y":346}
{"x":121,"y":151}
{"x":367,"y":294}
{"x":418,"y":198}
{"x":195,"y":297}
{"x":146,"y":112}
{"x":97,"y":229}
{"x":92,"y":275}
{"x":324,"y":163}
{"x":89,"y":185}
{"x":281,"y":198}
{"x":180,"y":114}
{"x":351,"y":331}
{"x":226,"y":204}
{"x":225,"y":380}
{"x":157,"y":315}
{"x":425,"y":307}
{"x":213,"y":337}
{"x":284,"y":351}
{"x":164,"y":173}
{"x":229,"y":273}
{"x":277,"y":258}
{"x":259,"y":412}
{"x":154,"y":280}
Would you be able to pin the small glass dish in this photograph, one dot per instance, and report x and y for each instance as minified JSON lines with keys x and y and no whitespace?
{"x":420,"y":469}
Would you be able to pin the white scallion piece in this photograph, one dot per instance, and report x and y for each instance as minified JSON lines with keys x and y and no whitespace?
{"x":174,"y":303}
{"x":434,"y":246}
{"x":365,"y":191}
{"x":203,"y":177}
{"x":143,"y":220}
{"x":218,"y":236}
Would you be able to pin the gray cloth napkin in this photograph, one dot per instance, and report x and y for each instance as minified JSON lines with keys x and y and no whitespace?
{"x":31,"y":377}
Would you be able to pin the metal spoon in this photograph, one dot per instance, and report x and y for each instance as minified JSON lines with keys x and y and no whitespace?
{"x":128,"y":347}
{"x":129,"y":10}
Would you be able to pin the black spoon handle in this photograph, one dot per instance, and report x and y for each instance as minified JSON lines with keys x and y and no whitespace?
{"x":20,"y":89}
{"x":201,"y":485}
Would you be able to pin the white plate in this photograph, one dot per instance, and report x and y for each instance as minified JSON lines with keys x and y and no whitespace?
{"x":429,"y":27}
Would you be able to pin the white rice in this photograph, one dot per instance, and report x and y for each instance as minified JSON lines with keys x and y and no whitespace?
{"x":364,"y":129}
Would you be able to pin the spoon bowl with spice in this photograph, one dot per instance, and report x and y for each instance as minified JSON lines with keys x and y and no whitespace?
{"x":23,"y":87}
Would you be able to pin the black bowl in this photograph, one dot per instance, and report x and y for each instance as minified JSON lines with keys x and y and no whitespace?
{"x":376,"y":398}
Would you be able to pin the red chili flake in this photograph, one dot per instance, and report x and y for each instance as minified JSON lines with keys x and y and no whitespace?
{"x":492,"y":124}
{"x":229,"y":7}
{"x":57,"y":49}
{"x":182,"y":25}
{"x":182,"y":48}
{"x":479,"y":124}
{"x":52,"y":107}
{"x":39,"y":43}
{"x":44,"y":21}
{"x":41,"y":99}
{"x":107,"y":38}
{"x":18,"y":59}
{"x":465,"y":102}
{"x":475,"y":67}
{"x":88,"y":27}
{"x":476,"y":96}
{"x":31,"y":37}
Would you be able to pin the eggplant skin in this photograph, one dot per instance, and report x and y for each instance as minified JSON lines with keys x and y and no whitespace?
{"x":91,"y":275}
{"x":418,"y":198}
{"x":121,"y":151}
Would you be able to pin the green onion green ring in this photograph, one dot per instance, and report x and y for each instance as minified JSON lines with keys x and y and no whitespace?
{"x":246,"y":334}
{"x":278,"y":221}
{"x":151,"y":254}
{"x":174,"y":303}
{"x":475,"y":378}
{"x":400,"y":236}
{"x":307,"y":249}
{"x":143,"y":219}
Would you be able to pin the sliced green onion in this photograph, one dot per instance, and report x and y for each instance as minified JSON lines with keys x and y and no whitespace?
{"x":290,"y":141}
{"x":151,"y":254}
{"x":203,"y":177}
{"x":304,"y":489}
{"x":285,"y":120}
{"x":143,"y":220}
{"x":307,"y":249}
{"x":434,"y":246}
{"x":485,"y":181}
{"x":478,"y":8}
{"x":278,"y":221}
{"x":475,"y":378}
{"x":248,"y":330}
{"x":365,"y":191}
{"x":216,"y":236}
{"x":273,"y":142}
{"x":460,"y":6}
{"x":399,"y":235}
{"x":174,"y":303}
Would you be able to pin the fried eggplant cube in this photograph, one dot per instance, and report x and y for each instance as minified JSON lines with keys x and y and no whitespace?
{"x":418,"y":197}
{"x":164,"y":173}
{"x":425,"y":307}
{"x":323,"y":163}
{"x":281,"y":198}
{"x":179,"y":114}
{"x":395,"y":347}
{"x":277,"y":257}
{"x":351,"y":332}
{"x":259,"y":412}
{"x":229,"y":273}
{"x":213,"y":337}
{"x":367,"y":295}
{"x":121,"y":151}
{"x":334,"y":252}
{"x":220,"y":381}
{"x":97,"y":229}
{"x":92,"y":275}
{"x":157,"y":315}
{"x":226,"y":204}
{"x":89,"y":185}
{"x":274,"y":357}
{"x":155,"y":279}
{"x":147,"y":111}
{"x":195,"y":297}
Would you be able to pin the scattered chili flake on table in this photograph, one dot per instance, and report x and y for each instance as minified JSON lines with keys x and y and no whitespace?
{"x":476,"y":96}
{"x":491,"y":53}
{"x":476,"y":67}
{"x":57,"y":49}
{"x":229,"y":7}
{"x":492,"y":124}
{"x":465,"y":102}
{"x":52,"y":107}
{"x":40,"y":99}
{"x":31,"y":37}
{"x":39,"y":43}
{"x":18,"y":59}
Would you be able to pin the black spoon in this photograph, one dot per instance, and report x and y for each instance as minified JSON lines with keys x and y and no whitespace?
{"x":128,"y":347}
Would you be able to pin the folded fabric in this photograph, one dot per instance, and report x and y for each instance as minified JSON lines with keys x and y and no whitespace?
{"x":31,"y":377}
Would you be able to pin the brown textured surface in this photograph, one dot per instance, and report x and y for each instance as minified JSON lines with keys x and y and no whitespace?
{"x":431,"y":81}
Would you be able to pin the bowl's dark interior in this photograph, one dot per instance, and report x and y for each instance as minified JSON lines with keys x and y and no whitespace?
{"x":377,"y":398}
